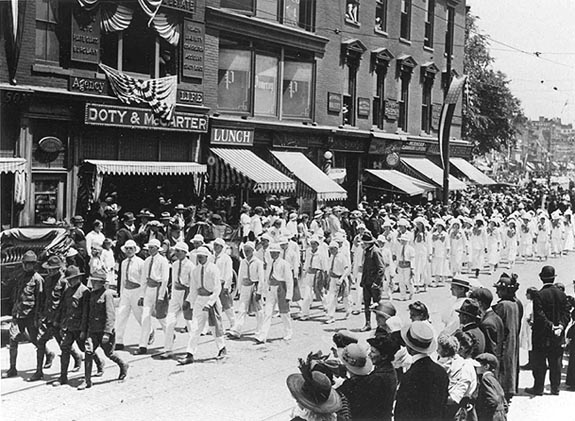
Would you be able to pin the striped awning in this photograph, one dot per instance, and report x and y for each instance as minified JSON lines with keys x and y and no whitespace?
{"x":146,"y":168}
{"x":311,"y":181}
{"x":404,"y":183}
{"x":427,"y":170}
{"x":12,"y":165}
{"x":471,"y":172}
{"x":244,"y":168}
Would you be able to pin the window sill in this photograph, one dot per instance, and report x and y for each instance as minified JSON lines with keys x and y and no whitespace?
{"x":50,"y":69}
{"x":380,"y":32}
{"x":352,"y":22}
{"x":428,"y":49}
{"x":404,"y":41}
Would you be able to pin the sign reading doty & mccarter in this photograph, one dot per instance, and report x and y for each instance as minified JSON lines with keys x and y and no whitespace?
{"x":141,"y":118}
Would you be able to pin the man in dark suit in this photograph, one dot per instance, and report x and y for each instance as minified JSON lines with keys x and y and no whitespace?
{"x":422,"y":393}
{"x":550,"y":318}
{"x":491,"y":324}
{"x":469,"y":317}
{"x":372,"y":276}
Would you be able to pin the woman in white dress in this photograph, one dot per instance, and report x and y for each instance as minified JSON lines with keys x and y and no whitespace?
{"x":422,"y":246}
{"x":478,"y":245}
{"x":456,"y":246}
{"x":493,"y":245}
{"x":543,"y":233}
{"x":526,"y":237}
{"x":569,"y":244}
{"x":525,"y":340}
{"x":439,"y":254}
{"x":467,"y":229}
{"x":557,"y":229}
{"x":511,"y":242}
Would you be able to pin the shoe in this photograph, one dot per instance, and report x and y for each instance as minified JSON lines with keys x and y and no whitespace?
{"x":77,"y":366}
{"x":222,"y":353}
{"x":49,"y":360}
{"x":151,"y":338}
{"x":534,"y":392}
{"x":366,"y":328}
{"x":99,"y":372}
{"x":329,"y":321}
{"x":232,"y":334}
{"x":12,"y":372}
{"x":38,"y":375}
{"x":119,"y":347}
{"x":355,"y":312}
{"x":84,"y":385}
{"x":303,"y":318}
{"x":188,"y":359}
{"x":141,"y":351}
{"x":555,"y":392}
{"x":165,"y":356}
{"x":123,"y":371}
{"x":59,"y":382}
{"x":259,"y":341}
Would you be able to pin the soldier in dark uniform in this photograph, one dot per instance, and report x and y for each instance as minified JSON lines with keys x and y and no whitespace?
{"x":54,"y":286}
{"x":72,"y":318}
{"x":78,"y":235}
{"x":100,"y":328}
{"x":26,"y":299}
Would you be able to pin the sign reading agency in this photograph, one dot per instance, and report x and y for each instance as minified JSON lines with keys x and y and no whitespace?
{"x":141,"y":118}
{"x":88,"y":85}
{"x":193,"y":50}
{"x":85,"y":45}
{"x":230,"y":136}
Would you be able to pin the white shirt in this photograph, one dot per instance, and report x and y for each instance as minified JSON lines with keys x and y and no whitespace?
{"x":339,"y":265}
{"x":94,"y":239}
{"x":135,"y":273}
{"x":160,"y":271}
{"x":245,"y":222}
{"x":224,"y":263}
{"x":282,"y":273}
{"x":210,"y":281}
{"x":182,"y":272}
{"x":256,"y":272}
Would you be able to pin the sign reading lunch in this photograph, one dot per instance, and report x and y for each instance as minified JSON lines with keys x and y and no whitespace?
{"x":227,"y":136}
{"x":141,"y":118}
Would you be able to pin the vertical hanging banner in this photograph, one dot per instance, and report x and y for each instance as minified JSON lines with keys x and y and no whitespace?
{"x":447,"y":116}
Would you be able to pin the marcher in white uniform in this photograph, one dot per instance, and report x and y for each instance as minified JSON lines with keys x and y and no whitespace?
{"x":291,"y":254}
{"x":251,"y":283}
{"x":224,"y":263}
{"x":339,"y":269}
{"x":511,"y":242}
{"x":439,"y":254}
{"x":456,"y":247}
{"x":478,"y":245}
{"x":569,"y":244}
{"x":278,"y":290}
{"x":526,"y":237}
{"x":422,"y":247}
{"x":314,"y":262}
{"x":493,"y":245}
{"x":156,"y":272}
{"x":205,"y":286}
{"x":181,"y":275}
{"x":405,"y":269}
{"x":543,"y":233}
{"x":131,"y":297}
{"x":557,"y":233}
{"x":357,"y":266}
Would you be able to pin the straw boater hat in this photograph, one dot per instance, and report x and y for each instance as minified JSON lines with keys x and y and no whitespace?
{"x":165,"y":216}
{"x":313,"y":391}
{"x":461,"y":281}
{"x":420,"y":337}
{"x":73,"y":272}
{"x":145,"y":213}
{"x":155,"y":223}
{"x":356,"y":360}
{"x":54,"y":262}
{"x":180,"y":206}
{"x":130,"y":243}
{"x":318,"y":214}
{"x":128,"y":217}
{"x":384,"y":308}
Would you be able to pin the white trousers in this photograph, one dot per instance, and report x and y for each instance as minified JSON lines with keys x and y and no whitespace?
{"x":128,"y":304}
{"x":199,"y":321}
{"x":306,"y":290}
{"x":149,"y":303}
{"x":271,"y":301}
{"x":244,"y":303}
{"x":332,"y":294}
{"x":405,"y":281}
{"x":175,"y":308}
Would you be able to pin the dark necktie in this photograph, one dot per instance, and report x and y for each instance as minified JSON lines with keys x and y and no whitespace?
{"x":128,"y":268}
{"x":150,"y":268}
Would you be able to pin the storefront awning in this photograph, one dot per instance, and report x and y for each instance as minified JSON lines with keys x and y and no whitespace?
{"x":429,"y":171}
{"x":243,"y":167}
{"x":146,"y":167}
{"x":474,"y":174}
{"x":12,"y":165}
{"x":405,"y":183}
{"x":314,"y":180}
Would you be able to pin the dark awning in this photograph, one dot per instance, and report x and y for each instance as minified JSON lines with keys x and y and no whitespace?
{"x":403,"y":182}
{"x":474,"y":174}
{"x":427,"y":170}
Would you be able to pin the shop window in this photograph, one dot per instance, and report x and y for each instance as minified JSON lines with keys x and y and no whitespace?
{"x":404,"y":101}
{"x":381,"y":15}
{"x":379,"y":97}
{"x":350,"y":94}
{"x":426,"y":100}
{"x":234,"y":80}
{"x":48,"y":196}
{"x":297,"y":89}
{"x":47,"y":42}
{"x":405,"y":24}
{"x":449,"y":31}
{"x":429,"y":21}
{"x":266,"y":86}
{"x":298,"y":13}
{"x":352,"y":11}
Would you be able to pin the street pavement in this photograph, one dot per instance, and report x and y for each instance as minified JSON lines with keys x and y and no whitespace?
{"x":248,"y":385}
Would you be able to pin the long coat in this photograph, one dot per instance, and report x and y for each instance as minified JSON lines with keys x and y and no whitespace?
{"x":510,"y":314}
{"x":492,"y":327}
{"x":550,"y":308}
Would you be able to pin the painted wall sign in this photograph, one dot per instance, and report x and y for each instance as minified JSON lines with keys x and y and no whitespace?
{"x":391,"y":109}
{"x":414,"y":146}
{"x":190,"y":97}
{"x":142,"y":118}
{"x":193,"y":50}
{"x":230,"y":136}
{"x":333,"y":102}
{"x":435,"y":116}
{"x":88,"y":85}
{"x":85,"y":45}
{"x":363,"y":107}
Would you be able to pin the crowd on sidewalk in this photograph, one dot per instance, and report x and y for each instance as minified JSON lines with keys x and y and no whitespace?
{"x":190,"y":265}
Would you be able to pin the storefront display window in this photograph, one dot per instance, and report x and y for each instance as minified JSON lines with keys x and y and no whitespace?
{"x":234,"y":80}
{"x":46,"y":200}
{"x":297,"y":83}
{"x":265,"y":92}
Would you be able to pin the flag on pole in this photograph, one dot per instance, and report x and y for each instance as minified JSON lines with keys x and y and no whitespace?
{"x":159,"y":94}
{"x":447,"y":115}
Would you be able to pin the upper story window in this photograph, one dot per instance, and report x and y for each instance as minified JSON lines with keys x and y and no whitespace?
{"x":47,"y":42}
{"x":350,"y":94}
{"x":405,"y":66}
{"x":405,"y":24}
{"x":249,"y":82}
{"x":296,"y":13}
{"x":429,"y":24}
{"x":381,"y":15}
{"x":352,"y":11}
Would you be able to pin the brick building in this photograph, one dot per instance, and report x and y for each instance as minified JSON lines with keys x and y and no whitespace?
{"x":264,"y":89}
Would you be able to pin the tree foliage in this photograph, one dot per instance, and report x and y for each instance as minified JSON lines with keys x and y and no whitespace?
{"x":491,"y":113}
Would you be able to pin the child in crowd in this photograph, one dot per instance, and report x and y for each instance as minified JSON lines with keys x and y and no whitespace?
{"x":490,"y":404}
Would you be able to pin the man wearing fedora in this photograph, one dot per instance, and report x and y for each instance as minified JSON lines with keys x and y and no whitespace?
{"x":25,"y":309}
{"x":423,"y":391}
{"x":491,"y":324}
{"x":155,"y":276}
{"x":99,"y":328}
{"x":371,"y":277}
{"x":550,"y":318}
{"x":72,"y":318}
{"x":460,"y":287}
{"x":205,"y":286}
{"x":131,"y":298}
{"x":144,"y":216}
{"x":469,"y":317}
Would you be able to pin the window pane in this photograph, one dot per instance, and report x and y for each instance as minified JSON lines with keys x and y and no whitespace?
{"x":267,"y":9}
{"x":42,"y":9}
{"x":41,"y":40}
{"x":52,"y":11}
{"x":53,"y":47}
{"x":139,"y":47}
{"x":297,"y":89}
{"x":234,"y":80}
{"x":292,"y":12}
{"x":246,"y":5}
{"x":265,"y":95}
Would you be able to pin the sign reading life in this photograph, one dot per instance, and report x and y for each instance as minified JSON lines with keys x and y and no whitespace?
{"x":141,"y":118}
